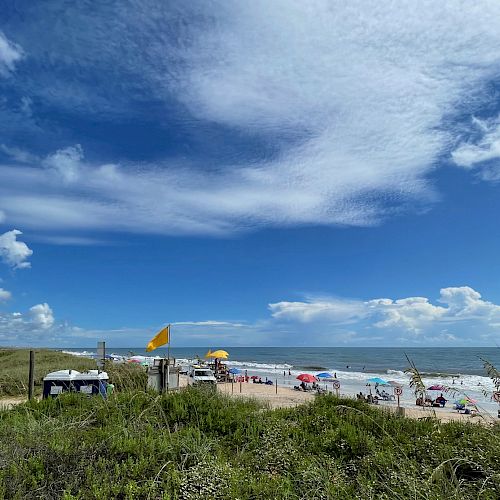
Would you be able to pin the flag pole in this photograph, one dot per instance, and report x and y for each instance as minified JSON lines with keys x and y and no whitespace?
{"x":168,"y":357}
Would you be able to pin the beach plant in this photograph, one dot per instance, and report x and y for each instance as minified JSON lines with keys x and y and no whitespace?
{"x":196,"y":444}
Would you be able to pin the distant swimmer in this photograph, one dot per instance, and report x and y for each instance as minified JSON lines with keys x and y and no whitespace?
{"x":364,"y":368}
{"x":347,"y":367}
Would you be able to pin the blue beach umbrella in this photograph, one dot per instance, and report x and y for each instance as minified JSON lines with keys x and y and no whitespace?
{"x":377,"y":380}
{"x":324,"y":375}
{"x":234,"y":371}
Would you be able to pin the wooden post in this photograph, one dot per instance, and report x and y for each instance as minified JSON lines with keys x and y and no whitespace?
{"x":31,"y":376}
{"x":232,"y":385}
{"x":276,"y":386}
{"x":240,"y":386}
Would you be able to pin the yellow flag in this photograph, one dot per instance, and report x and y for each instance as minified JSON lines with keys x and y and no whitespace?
{"x":161,"y":338}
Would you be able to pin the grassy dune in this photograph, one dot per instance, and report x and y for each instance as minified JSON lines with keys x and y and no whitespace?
{"x":14,"y":366}
{"x":202,"y":445}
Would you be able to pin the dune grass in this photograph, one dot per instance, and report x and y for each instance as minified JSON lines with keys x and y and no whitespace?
{"x":14,"y":367}
{"x":203,"y":445}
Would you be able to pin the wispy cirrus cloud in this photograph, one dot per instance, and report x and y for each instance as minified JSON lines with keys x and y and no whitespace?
{"x":347,"y":101}
{"x":10,"y":54}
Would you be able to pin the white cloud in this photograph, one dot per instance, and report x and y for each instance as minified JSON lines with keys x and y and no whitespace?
{"x":479,"y":153}
{"x":4,"y":295}
{"x":13,"y":252}
{"x":413,"y":315}
{"x":41,"y":316}
{"x":460,"y":317}
{"x":351,"y":96}
{"x":10,"y":54}
{"x":66,"y":162}
{"x":35,"y":326}
{"x":210,"y":323}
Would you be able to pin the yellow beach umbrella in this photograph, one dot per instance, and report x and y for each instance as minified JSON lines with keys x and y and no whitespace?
{"x":220,"y":354}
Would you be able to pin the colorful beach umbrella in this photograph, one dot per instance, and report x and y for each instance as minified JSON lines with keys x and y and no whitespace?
{"x":377,"y":380}
{"x":254,"y":377}
{"x":307,"y":378}
{"x":324,"y":375}
{"x":436,"y":387}
{"x":219,"y":354}
{"x":234,"y":371}
{"x":467,"y":401}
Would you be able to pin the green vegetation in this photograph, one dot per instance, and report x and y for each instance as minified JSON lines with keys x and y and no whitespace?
{"x":14,"y":365}
{"x":197,"y":445}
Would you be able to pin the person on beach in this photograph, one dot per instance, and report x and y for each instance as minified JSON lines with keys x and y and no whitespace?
{"x":289,"y":373}
{"x":284,"y":373}
{"x":441,"y":400}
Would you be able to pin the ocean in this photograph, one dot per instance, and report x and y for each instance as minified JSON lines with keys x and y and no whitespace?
{"x":458,"y":367}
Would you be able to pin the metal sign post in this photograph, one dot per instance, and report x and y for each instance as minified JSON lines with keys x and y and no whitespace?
{"x":336,"y":386}
{"x":398,"y":391}
{"x":101,"y":355}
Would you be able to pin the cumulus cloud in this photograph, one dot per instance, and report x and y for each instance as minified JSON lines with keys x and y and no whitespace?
{"x":10,"y":54}
{"x":13,"y":252}
{"x":4,"y":295}
{"x":460,"y":316}
{"x":414,"y":315}
{"x":36,"y":325}
{"x":352,"y":98}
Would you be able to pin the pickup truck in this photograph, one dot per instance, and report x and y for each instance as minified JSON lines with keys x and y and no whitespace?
{"x":201,"y":376}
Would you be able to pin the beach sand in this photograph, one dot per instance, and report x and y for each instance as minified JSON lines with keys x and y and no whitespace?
{"x":287,"y":398}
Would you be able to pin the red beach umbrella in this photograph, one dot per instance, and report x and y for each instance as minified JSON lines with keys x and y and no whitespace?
{"x":436,"y":387}
{"x":254,"y":377}
{"x":307,"y":378}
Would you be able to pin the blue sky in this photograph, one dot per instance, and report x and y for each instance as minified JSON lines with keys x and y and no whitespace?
{"x":254,"y":173}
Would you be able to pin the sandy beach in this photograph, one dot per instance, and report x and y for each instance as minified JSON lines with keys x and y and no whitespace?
{"x":286,"y":398}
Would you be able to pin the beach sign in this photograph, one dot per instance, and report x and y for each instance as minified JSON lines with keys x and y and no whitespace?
{"x":336,"y":386}
{"x":496,"y":396}
{"x":398,"y":391}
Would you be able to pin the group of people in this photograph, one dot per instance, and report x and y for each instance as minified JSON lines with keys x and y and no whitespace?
{"x":306,"y":388}
{"x":439,"y":402}
{"x":369,"y":398}
{"x":259,"y":381}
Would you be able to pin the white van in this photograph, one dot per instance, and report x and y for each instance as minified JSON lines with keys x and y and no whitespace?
{"x":199,"y":375}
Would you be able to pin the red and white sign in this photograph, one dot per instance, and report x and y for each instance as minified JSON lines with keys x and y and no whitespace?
{"x":496,"y":396}
{"x":398,"y":391}
{"x":336,"y":385}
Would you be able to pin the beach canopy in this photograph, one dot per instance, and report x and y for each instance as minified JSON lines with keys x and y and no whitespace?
{"x":234,"y":371}
{"x":307,"y":377}
{"x":254,"y":377}
{"x":377,"y":380}
{"x":220,"y":354}
{"x":436,"y":387}
{"x":324,"y":375}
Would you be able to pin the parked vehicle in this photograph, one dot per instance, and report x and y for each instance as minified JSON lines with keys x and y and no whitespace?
{"x":199,"y":375}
